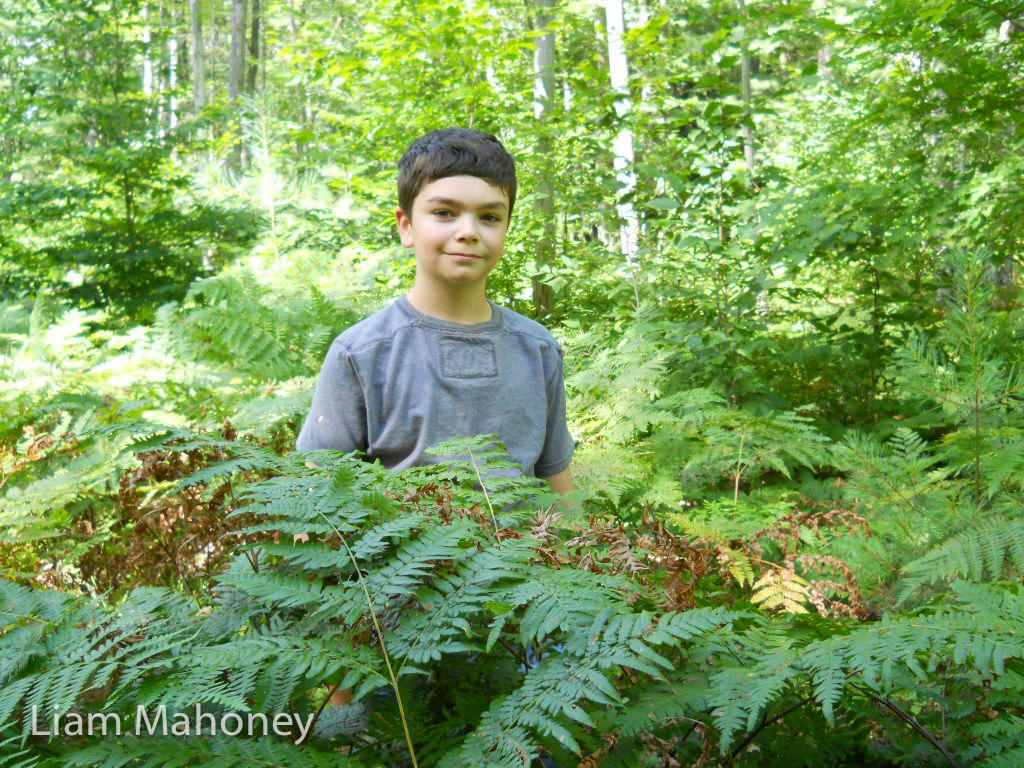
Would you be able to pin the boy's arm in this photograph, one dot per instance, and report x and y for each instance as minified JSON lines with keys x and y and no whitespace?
{"x":558,"y":443}
{"x":562,"y":482}
{"x":337,"y":418}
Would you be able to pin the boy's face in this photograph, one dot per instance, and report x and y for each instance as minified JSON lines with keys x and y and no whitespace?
{"x":457,"y":229}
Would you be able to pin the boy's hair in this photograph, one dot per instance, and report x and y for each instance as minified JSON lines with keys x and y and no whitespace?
{"x":454,"y":152}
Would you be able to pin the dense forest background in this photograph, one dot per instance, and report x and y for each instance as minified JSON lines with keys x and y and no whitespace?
{"x":781,"y":245}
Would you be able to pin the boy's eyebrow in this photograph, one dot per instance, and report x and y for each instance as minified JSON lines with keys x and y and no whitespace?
{"x":457,"y":204}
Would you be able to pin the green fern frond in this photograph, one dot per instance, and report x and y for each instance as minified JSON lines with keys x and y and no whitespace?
{"x":406,"y":571}
{"x":213,"y":752}
{"x":985,"y":551}
{"x":454,"y":599}
{"x":1000,"y":742}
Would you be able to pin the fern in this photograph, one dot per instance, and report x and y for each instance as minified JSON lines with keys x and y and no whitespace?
{"x":457,"y":604}
{"x":214,"y":752}
{"x":950,"y":508}
{"x":874,"y":656}
{"x":985,"y":551}
{"x":233,"y":320}
{"x":454,"y":599}
{"x":636,"y":428}
{"x":781,"y":588}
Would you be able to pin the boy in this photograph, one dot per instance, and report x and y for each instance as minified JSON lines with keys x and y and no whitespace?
{"x":443,"y":361}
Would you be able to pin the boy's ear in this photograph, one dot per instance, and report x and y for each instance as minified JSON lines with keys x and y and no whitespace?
{"x":404,"y":227}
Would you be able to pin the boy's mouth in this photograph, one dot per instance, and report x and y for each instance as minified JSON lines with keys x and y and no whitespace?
{"x":465,"y":256}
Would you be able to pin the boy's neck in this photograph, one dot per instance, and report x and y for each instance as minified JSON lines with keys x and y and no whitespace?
{"x":466,"y":307}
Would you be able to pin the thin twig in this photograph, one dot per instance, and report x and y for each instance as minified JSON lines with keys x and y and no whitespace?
{"x":380,"y":639}
{"x":487,"y":496}
{"x":28,"y":618}
{"x":525,"y":661}
{"x":320,"y":709}
{"x":909,"y":719}
{"x":765,"y":722}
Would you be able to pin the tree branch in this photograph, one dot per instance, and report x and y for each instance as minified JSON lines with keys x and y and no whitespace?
{"x":910,"y":720}
{"x":765,"y":722}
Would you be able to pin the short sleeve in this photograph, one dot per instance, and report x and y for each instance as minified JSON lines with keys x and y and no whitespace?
{"x":558,"y":443}
{"x":337,"y":419}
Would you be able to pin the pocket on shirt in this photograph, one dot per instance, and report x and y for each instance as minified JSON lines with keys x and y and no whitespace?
{"x":468,"y":358}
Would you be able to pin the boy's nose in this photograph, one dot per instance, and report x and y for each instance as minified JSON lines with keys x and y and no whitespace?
{"x":466,"y":230}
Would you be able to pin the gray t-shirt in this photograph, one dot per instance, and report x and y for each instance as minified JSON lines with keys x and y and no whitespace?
{"x":400,"y":382}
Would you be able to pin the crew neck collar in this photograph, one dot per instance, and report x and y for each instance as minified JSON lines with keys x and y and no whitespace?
{"x":406,"y":307}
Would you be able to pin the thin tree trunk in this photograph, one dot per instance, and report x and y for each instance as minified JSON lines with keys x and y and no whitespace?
{"x":306,"y":118}
{"x":263,"y":49}
{"x":622,"y":146}
{"x":1004,"y":270}
{"x":601,"y":36}
{"x":147,"y":53}
{"x":825,"y":70}
{"x":173,"y":54}
{"x":543,"y":105}
{"x":198,"y":73}
{"x":543,"y":63}
{"x":254,"y":48}
{"x":212,"y":64}
{"x":748,"y":132}
{"x":160,"y":72}
{"x":237,"y":61}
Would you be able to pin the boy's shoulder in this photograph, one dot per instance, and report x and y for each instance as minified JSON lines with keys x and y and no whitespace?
{"x":380,"y":326}
{"x":517,"y":323}
{"x":398,"y":316}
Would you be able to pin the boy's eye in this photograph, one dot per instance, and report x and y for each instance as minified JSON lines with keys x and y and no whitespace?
{"x":491,"y":218}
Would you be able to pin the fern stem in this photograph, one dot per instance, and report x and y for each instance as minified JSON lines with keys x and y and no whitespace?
{"x":739,"y":472}
{"x":521,"y":659}
{"x":28,"y":618}
{"x":380,"y":639}
{"x":254,"y":561}
{"x":972,"y":277}
{"x":487,"y":496}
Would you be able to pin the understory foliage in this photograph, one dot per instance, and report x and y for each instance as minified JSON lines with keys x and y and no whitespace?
{"x":943,"y":492}
{"x":798,"y":405}
{"x":235,"y":348}
{"x":497,"y":629}
{"x":754,"y":589}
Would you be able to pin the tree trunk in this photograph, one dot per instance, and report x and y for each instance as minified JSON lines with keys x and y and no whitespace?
{"x":543,"y":63}
{"x":147,"y":53}
{"x":1005,"y":279}
{"x":237,"y":61}
{"x":214,"y":59}
{"x":825,"y":71}
{"x":198,"y":74}
{"x":254,"y":48}
{"x":601,"y":36}
{"x":173,"y":54}
{"x":748,"y":131}
{"x":306,"y":117}
{"x":543,"y":105}
{"x":622,"y":146}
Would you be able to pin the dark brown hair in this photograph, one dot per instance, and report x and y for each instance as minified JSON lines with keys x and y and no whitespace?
{"x":454,"y":152}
